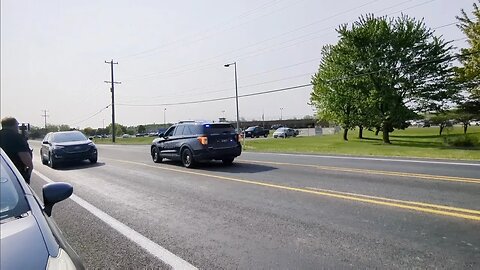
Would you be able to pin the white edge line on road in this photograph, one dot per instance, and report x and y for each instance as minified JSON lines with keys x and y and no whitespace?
{"x":371,"y":158}
{"x":151,"y":247}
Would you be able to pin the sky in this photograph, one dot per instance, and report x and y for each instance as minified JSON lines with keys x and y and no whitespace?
{"x":53,"y":55}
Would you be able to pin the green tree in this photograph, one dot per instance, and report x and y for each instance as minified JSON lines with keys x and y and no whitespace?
{"x":384,"y":71}
{"x":337,"y":100}
{"x":64,"y":127}
{"x":470,"y":59}
{"x":442,"y":120}
{"x":89,"y":131}
{"x":141,"y":129}
{"x":466,"y":112}
{"x":119,"y":129}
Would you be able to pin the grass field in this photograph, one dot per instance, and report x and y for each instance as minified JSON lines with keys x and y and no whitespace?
{"x":412,"y":142}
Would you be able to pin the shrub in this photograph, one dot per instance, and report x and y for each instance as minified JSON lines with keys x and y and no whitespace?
{"x":463,"y":141}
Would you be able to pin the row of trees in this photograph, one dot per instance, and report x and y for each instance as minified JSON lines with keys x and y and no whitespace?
{"x":384,"y":71}
{"x":37,"y":132}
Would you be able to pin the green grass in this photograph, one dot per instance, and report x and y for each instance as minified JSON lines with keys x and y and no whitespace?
{"x":134,"y":140}
{"x":412,"y":142}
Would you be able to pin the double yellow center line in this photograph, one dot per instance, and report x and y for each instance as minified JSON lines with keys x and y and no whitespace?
{"x":443,"y":210}
{"x":373,"y":172}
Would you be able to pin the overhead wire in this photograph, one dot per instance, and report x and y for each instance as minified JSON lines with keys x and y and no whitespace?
{"x":169,"y":73}
{"x":298,"y":86}
{"x":91,"y":116}
{"x":263,"y":41}
{"x":219,"y":25}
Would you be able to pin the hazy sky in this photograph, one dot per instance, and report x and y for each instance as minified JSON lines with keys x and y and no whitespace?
{"x":53,"y":53}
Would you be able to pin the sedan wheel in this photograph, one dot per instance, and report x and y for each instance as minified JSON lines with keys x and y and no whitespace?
{"x":52,"y":162}
{"x":44,"y":161}
{"x":93,"y":160}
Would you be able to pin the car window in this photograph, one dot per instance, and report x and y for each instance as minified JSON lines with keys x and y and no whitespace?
{"x":219,"y":128}
{"x":169,"y":131}
{"x":250,"y":129}
{"x":68,"y":137}
{"x":12,"y":199}
{"x":188,"y":130}
{"x":179,"y":130}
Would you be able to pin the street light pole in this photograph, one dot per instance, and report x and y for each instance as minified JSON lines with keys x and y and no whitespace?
{"x":164,"y":118}
{"x":236,"y":93}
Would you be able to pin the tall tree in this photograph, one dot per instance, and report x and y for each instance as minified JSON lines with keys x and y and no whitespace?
{"x":398,"y":66}
{"x":337,"y":99}
{"x":470,"y":59}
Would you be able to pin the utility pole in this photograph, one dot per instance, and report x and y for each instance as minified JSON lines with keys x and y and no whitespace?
{"x":45,"y":115}
{"x":112,"y":89}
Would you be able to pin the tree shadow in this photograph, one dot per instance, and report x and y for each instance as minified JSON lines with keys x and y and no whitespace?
{"x":444,"y":135}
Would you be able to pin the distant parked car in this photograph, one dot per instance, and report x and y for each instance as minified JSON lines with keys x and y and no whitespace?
{"x":126,"y":136}
{"x":256,"y":131}
{"x":276,"y":126}
{"x":191,"y":142}
{"x":64,"y":146}
{"x":30,"y":238}
{"x":284,"y":133}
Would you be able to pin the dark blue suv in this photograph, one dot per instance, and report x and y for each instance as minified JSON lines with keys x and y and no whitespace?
{"x":192,"y":142}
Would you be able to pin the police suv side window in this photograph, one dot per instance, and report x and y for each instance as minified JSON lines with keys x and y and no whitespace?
{"x":187,"y":131}
{"x":169,"y":131}
{"x":179,"y":130}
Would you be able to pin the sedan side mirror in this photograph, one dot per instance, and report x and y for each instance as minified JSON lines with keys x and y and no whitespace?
{"x":54,"y":193}
{"x":45,"y":142}
{"x":161,"y":135}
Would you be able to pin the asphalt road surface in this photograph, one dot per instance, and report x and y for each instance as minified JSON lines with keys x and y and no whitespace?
{"x":269,"y":211}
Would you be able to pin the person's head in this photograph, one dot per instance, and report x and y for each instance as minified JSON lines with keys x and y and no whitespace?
{"x":10,"y":123}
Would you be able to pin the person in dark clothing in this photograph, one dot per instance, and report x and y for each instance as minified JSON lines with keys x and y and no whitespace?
{"x":16,"y":147}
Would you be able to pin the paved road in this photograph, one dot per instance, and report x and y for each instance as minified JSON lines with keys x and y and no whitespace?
{"x":270,"y":211}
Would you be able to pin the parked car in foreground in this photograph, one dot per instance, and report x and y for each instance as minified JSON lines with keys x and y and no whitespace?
{"x":192,"y":142}
{"x":64,"y":146}
{"x":284,"y":133}
{"x":30,"y":238}
{"x":256,"y":131}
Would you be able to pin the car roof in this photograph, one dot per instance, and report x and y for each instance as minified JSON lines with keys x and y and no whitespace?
{"x":65,"y":132}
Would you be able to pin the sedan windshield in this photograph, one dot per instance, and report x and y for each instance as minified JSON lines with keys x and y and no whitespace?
{"x":250,"y":129}
{"x":68,"y":137}
{"x":12,"y":200}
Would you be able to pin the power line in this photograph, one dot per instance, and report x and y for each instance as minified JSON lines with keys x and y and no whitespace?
{"x":300,"y":86}
{"x":260,"y":42}
{"x":217,"y":99}
{"x":91,"y":116}
{"x":269,"y":48}
{"x":230,"y":20}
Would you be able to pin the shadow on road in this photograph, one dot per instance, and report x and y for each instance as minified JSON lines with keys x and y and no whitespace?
{"x":218,"y":166}
{"x":79,"y":165}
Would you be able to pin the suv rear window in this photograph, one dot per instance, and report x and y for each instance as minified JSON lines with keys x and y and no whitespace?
{"x":219,"y":128}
